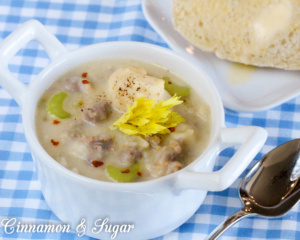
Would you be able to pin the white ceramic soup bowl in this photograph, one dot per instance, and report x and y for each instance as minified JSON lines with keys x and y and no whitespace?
{"x":154,"y":207}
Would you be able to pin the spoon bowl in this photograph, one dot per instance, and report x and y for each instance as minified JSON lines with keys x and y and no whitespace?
{"x":271,"y":188}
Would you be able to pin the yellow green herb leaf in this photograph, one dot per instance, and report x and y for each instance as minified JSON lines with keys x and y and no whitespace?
{"x":147,"y":117}
{"x":173,"y":120}
{"x":55,"y":106}
{"x":173,"y":88}
{"x":123,"y":174}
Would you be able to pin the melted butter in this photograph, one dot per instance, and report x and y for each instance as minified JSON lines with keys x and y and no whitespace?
{"x":272,"y":20}
{"x":239,"y":73}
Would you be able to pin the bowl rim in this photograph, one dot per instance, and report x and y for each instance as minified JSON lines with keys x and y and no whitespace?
{"x":37,"y":149}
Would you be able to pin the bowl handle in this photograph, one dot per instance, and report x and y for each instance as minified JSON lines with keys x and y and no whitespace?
{"x":31,"y":30}
{"x":251,"y":140}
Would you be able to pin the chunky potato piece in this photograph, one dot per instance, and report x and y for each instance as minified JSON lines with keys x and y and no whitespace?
{"x":129,"y":83}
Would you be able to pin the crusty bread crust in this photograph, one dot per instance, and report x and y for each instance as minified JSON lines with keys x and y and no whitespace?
{"x":232,"y":29}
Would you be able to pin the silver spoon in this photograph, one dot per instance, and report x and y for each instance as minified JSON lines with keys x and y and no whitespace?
{"x":271,"y":188}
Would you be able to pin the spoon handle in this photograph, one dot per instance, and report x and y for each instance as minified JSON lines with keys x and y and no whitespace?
{"x":227,"y":224}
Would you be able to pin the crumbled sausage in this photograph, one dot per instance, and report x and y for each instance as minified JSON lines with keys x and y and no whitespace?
{"x":76,"y":130}
{"x":174,"y":167}
{"x":101,"y":141}
{"x":171,"y":151}
{"x":72,"y":83}
{"x":96,"y":146}
{"x":154,"y":140}
{"x":166,"y":162}
{"x":98,"y":112}
{"x":130,"y":155}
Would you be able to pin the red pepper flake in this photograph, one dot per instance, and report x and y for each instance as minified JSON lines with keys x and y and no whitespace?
{"x":139,"y":173}
{"x":97,"y":163}
{"x":126,"y":171}
{"x":84,"y":75}
{"x":172,"y":129}
{"x":55,"y":143}
{"x":184,"y":100}
{"x":85,"y":82}
{"x":170,"y":82}
{"x":56,"y":122}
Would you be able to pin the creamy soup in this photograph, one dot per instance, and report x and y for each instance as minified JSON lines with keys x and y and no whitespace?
{"x":75,"y":122}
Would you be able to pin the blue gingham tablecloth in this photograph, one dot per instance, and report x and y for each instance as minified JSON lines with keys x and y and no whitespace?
{"x":79,"y":23}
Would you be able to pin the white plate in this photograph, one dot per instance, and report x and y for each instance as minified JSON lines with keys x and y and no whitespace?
{"x":263,"y":89}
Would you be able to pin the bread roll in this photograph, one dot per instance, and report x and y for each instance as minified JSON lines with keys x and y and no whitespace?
{"x":255,"y":32}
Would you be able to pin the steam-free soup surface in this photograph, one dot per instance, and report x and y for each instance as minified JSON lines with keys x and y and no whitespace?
{"x":75,"y":115}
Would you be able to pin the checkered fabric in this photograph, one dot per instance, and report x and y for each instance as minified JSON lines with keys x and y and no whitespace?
{"x":79,"y":23}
